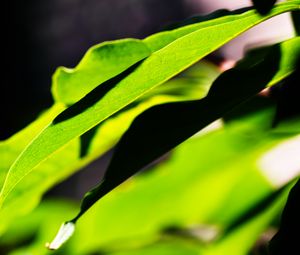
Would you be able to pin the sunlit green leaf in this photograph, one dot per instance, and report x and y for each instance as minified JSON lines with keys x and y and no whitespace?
{"x":193,"y":83}
{"x":99,"y":64}
{"x":210,"y":192}
{"x":123,"y":89}
{"x":109,"y":59}
{"x":161,"y":128}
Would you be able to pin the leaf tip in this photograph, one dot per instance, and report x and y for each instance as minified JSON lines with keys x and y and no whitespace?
{"x":64,"y":233}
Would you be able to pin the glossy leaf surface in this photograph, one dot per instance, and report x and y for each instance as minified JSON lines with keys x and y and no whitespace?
{"x":161,"y":128}
{"x":126,"y":87}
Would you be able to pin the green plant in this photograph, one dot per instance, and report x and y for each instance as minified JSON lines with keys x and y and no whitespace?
{"x":136,"y":106}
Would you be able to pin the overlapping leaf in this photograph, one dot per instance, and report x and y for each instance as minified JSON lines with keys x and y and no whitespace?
{"x":106,"y":60}
{"x":116,"y":93}
{"x":136,"y":216}
{"x":191,"y":84}
{"x":161,"y":128}
{"x":286,"y":240}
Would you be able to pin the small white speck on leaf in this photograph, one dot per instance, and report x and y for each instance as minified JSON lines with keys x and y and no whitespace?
{"x":64,"y":233}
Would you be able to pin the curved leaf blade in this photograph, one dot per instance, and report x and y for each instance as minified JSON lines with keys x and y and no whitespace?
{"x":163,"y":127}
{"x":106,"y":60}
{"x":191,"y":84}
{"x":127,"y":87}
{"x":220,"y":168}
{"x":99,"y":64}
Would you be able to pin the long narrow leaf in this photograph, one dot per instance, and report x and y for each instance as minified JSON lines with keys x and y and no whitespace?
{"x":106,"y":60}
{"x":128,"y":86}
{"x":191,"y":84}
{"x":136,"y":214}
{"x":161,"y":128}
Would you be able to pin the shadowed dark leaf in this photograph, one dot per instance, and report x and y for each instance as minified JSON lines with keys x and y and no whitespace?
{"x":286,"y":241}
{"x":287,"y":94}
{"x":163,"y":127}
{"x":255,"y":210}
{"x":296,"y":21}
{"x":263,"y":6}
{"x":164,"y":64}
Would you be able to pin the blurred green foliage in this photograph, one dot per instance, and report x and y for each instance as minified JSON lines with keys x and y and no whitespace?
{"x":185,"y":205}
{"x":214,"y":194}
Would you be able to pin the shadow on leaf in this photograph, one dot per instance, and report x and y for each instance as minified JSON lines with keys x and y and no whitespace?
{"x":94,"y":96}
{"x":161,"y":128}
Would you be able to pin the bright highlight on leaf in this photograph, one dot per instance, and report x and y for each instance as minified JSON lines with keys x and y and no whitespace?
{"x":118,"y":92}
{"x":136,"y":96}
{"x":219,"y":184}
{"x":179,"y":121}
{"x":191,"y":84}
{"x":65,"y":232}
{"x":282,"y":163}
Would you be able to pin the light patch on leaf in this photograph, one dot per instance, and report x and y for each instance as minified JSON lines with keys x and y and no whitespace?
{"x":218,"y":124}
{"x":282,"y":164}
{"x":64,"y":233}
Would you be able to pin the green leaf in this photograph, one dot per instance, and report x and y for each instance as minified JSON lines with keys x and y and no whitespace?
{"x":139,"y":212}
{"x":166,"y":247}
{"x":193,"y":83}
{"x":100,"y":63}
{"x":40,"y":223}
{"x":123,"y":89}
{"x":12,"y":147}
{"x":108,"y":59}
{"x":163,"y":127}
{"x":246,"y":234}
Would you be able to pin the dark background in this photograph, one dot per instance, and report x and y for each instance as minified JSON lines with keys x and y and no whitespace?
{"x":40,"y":35}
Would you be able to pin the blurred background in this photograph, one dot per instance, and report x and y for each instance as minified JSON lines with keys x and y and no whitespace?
{"x":39,"y":36}
{"x":42,"y":35}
